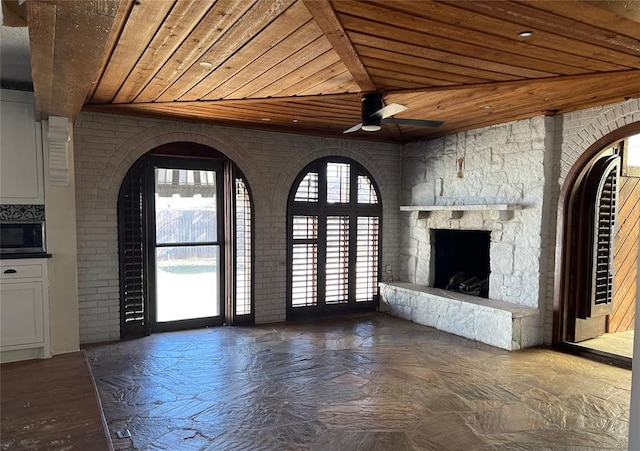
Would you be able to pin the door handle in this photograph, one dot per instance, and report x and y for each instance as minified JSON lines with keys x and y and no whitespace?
{"x":10,"y":271}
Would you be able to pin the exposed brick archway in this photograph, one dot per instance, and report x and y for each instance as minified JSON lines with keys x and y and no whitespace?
{"x":571,"y":177}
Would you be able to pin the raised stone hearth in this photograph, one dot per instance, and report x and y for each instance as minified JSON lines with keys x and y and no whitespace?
{"x":501,"y":324}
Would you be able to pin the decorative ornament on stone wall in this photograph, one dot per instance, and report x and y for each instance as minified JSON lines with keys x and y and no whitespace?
{"x":21,"y":212}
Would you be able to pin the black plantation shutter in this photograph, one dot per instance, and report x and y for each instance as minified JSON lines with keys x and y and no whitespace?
{"x":599,"y":208}
{"x":134,"y":311}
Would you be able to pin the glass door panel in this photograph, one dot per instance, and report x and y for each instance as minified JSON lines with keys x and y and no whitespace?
{"x":186,"y":206}
{"x":188,"y":251}
{"x":187,"y":282}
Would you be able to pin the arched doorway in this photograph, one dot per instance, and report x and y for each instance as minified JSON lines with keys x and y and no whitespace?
{"x":185,"y":241}
{"x":600,"y":209}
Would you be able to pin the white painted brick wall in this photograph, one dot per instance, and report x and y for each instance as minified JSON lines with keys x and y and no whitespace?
{"x":107,"y":145}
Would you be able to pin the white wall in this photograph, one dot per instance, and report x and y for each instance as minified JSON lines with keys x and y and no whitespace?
{"x":107,"y":145}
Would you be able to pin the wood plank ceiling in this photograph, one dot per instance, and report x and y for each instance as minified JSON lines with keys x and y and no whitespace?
{"x":302,"y":65}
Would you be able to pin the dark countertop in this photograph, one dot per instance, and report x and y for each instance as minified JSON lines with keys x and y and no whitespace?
{"x":20,"y":256}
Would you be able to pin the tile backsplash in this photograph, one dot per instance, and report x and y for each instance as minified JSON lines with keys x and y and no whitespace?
{"x":21,"y":212}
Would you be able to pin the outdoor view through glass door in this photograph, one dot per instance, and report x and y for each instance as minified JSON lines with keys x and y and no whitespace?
{"x":188,"y":246}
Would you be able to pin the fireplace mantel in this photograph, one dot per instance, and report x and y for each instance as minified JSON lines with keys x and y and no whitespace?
{"x":503,"y":212}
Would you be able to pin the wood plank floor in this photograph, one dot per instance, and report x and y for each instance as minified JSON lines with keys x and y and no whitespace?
{"x":51,"y":404}
{"x":620,"y":343}
{"x":361,"y":382}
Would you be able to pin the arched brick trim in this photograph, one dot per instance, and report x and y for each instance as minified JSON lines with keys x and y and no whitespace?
{"x":132,"y":149}
{"x":602,"y":125}
{"x":610,"y":133}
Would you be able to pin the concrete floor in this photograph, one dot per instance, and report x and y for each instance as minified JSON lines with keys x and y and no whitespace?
{"x":363,"y":382}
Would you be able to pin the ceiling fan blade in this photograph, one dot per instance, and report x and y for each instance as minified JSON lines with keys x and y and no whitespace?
{"x":414,"y":122}
{"x":389,"y":110}
{"x":355,"y":128}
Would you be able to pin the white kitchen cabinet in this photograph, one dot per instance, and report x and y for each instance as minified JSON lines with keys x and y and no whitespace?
{"x":21,"y":163}
{"x":24,"y":309}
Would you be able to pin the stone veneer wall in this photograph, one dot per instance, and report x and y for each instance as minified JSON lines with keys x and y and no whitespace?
{"x":500,"y":164}
{"x":519,"y":162}
{"x":107,"y":145}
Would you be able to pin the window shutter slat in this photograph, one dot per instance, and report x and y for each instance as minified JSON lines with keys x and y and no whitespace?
{"x":133,"y":272}
{"x":599,"y":201}
{"x":243,"y":248}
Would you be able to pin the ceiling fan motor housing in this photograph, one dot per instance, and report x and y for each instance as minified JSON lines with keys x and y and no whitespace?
{"x":371,"y":104}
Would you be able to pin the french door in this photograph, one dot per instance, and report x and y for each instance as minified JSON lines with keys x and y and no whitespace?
{"x":185,"y":221}
{"x":186,"y":244}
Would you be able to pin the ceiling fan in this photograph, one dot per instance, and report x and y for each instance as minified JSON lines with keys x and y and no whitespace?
{"x":374,"y":114}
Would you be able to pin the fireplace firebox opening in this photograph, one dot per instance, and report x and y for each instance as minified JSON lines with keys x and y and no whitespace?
{"x":461,"y":261}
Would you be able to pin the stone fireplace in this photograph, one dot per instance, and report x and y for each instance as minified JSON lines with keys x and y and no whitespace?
{"x":465,"y":278}
{"x":473,"y":208}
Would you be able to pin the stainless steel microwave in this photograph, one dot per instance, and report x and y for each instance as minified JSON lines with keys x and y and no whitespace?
{"x":18,"y":237}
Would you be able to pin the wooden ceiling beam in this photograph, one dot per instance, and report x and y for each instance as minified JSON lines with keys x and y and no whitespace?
{"x":124,"y":9}
{"x":326,"y":18}
{"x":67,"y":40}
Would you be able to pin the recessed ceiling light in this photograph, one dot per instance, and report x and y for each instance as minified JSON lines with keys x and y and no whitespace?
{"x":525,"y":34}
{"x":295,"y":121}
{"x":486,"y":107}
{"x":266,"y":119}
{"x":206,"y":64}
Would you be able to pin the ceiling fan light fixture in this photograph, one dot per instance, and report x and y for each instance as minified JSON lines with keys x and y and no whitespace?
{"x":374,"y":113}
{"x":371,"y":127}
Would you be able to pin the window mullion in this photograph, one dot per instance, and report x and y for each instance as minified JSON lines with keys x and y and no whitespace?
{"x":353,"y":228}
{"x":353,"y":253}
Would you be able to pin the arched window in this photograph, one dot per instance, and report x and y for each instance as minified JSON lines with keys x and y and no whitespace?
{"x":334,"y":224}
